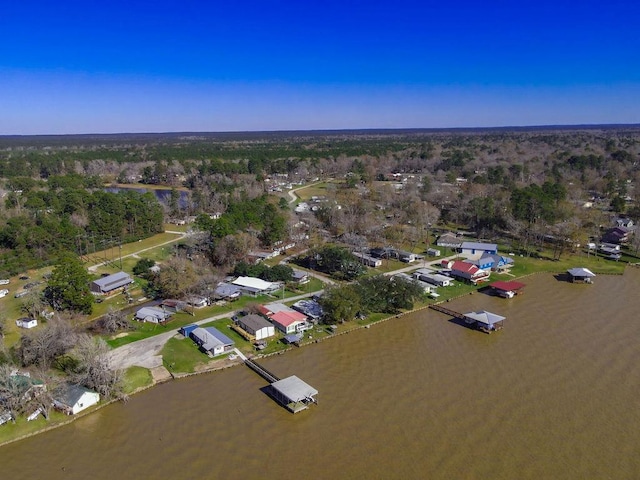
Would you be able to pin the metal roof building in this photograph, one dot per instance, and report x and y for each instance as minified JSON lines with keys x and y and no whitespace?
{"x":110,"y":283}
{"x":293,"y":393}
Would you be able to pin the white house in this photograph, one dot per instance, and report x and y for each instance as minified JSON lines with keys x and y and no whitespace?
{"x":255,"y":286}
{"x":152,"y":315}
{"x":27,"y":322}
{"x":429,"y":276}
{"x":74,"y":399}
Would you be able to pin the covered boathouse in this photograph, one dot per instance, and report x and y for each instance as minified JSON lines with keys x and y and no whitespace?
{"x":294,"y":394}
{"x":484,"y":321}
{"x":507,"y":289}
{"x":580,"y":275}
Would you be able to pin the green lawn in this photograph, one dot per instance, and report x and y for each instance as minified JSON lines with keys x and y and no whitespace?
{"x":182,"y":355}
{"x":136,"y":378}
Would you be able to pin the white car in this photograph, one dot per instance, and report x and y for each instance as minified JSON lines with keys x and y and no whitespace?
{"x":3,"y":292}
{"x":4,"y":282}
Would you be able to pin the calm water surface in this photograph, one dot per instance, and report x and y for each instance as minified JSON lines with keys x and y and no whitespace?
{"x":552,"y":396}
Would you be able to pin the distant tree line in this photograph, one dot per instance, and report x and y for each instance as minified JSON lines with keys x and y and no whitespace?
{"x":45,"y":223}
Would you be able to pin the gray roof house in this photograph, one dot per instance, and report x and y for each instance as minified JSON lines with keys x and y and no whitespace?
{"x":153,"y":314}
{"x":257,"y":326}
{"x":211,"y":340}
{"x":73,"y":399}
{"x":110,"y":283}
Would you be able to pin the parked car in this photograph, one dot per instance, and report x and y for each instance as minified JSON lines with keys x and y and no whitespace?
{"x":4,"y":281}
{"x":3,"y":292}
{"x":24,"y":277}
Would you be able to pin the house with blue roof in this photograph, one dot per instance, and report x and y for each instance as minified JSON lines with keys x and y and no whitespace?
{"x":492,"y":261}
{"x":211,"y":340}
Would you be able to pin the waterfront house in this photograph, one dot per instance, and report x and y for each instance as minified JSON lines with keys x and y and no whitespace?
{"x":256,"y":326}
{"x":285,"y":319}
{"x":211,"y":340}
{"x":468,"y":272}
{"x":580,"y":275}
{"x":72,"y":399}
{"x":110,"y":283}
{"x":152,"y":315}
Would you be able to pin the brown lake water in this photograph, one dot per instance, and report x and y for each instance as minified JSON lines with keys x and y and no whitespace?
{"x":552,"y":396}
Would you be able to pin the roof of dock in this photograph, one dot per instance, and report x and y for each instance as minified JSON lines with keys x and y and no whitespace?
{"x":507,"y":286}
{"x":294,"y":389}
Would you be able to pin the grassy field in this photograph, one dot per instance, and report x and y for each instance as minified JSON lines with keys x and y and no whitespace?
{"x":136,"y":378}
{"x":314,"y":190}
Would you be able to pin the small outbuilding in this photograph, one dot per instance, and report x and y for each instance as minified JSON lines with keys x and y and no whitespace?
{"x":27,"y":322}
{"x":580,"y":275}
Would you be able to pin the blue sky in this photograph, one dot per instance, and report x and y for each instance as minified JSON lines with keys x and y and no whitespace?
{"x":142,"y":66}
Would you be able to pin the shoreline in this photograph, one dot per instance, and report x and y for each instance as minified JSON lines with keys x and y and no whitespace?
{"x":164,"y":375}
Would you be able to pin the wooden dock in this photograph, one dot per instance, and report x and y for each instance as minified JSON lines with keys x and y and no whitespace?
{"x":260,"y":370}
{"x":447,"y":311}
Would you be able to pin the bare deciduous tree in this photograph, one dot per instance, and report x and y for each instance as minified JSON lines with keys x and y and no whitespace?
{"x":92,"y":367}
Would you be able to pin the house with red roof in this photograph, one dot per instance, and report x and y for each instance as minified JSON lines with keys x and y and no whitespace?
{"x":285,"y":319}
{"x":468,"y":272}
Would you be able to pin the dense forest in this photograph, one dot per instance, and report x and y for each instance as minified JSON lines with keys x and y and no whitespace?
{"x":387,"y":186}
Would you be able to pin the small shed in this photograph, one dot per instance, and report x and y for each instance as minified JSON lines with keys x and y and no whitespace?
{"x":433,"y":252}
{"x":187,"y":329}
{"x":27,"y":322}
{"x":293,"y":393}
{"x":485,"y":321}
{"x":507,"y":289}
{"x":580,"y":275}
